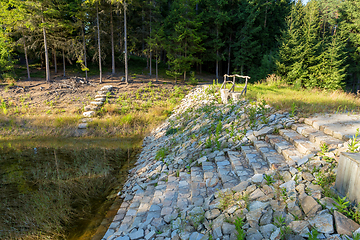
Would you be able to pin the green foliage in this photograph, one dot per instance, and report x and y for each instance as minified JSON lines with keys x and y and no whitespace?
{"x":161,"y":153}
{"x":293,"y":110}
{"x":269,"y":180}
{"x":309,"y":55}
{"x":313,"y":235}
{"x":324,"y":148}
{"x":353,"y":145}
{"x":239,"y":223}
{"x":341,"y":204}
{"x":6,"y":62}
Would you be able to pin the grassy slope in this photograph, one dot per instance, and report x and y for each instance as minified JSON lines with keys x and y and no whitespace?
{"x":305,"y":102}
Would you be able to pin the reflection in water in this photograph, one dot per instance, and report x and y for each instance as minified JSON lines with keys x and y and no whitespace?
{"x":55,"y":189}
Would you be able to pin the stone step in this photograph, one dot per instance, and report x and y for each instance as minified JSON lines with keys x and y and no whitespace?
{"x":225,"y":172}
{"x":100,"y":96}
{"x":198,"y":188}
{"x":254,"y":159}
{"x":302,"y":144}
{"x":273,"y":158}
{"x":329,"y":129}
{"x":240,"y":166}
{"x":97,"y":103}
{"x":317,"y":137}
{"x":211,"y":178}
{"x":284,"y":148}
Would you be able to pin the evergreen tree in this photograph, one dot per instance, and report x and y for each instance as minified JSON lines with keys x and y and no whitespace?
{"x":183,"y":39}
{"x":246,"y":46}
{"x":350,"y":13}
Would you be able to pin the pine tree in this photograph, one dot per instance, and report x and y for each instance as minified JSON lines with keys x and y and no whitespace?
{"x":183,"y":40}
{"x":290,"y":63}
{"x":350,"y":12}
{"x":246,"y":46}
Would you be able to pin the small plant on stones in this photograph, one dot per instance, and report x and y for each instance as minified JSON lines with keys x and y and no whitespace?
{"x":269,"y":180}
{"x":356,"y":236}
{"x":161,"y":153}
{"x":279,"y":221}
{"x":324,"y":148}
{"x":276,"y":131}
{"x":285,"y":231}
{"x":293,"y":110}
{"x":313,"y":235}
{"x":341,"y":204}
{"x":354,"y":144}
{"x":239,"y":223}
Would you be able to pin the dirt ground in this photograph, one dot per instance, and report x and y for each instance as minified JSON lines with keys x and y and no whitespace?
{"x":71,"y":91}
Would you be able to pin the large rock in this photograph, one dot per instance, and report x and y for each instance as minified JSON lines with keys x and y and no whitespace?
{"x":266,"y":230}
{"x":97,"y":103}
{"x":82,"y":125}
{"x":253,"y":217}
{"x":241,"y":186}
{"x":328,"y":203}
{"x":228,"y":228}
{"x":89,"y":114}
{"x":256,"y":194}
{"x":310,"y":206}
{"x":196,"y":236}
{"x":264,"y":131}
{"x":106,"y":88}
{"x":289,"y":186}
{"x":137,"y":234}
{"x":212,"y":214}
{"x":323,"y":222}
{"x":266,"y":217}
{"x":253,"y":234}
{"x":344,"y":225}
{"x":300,"y":227}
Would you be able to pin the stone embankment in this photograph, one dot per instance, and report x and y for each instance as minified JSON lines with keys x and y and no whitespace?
{"x":211,"y":164}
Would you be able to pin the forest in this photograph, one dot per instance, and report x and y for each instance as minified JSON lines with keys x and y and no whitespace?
{"x":312,"y":45}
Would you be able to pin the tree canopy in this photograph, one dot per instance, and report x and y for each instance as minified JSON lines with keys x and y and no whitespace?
{"x":312,"y":45}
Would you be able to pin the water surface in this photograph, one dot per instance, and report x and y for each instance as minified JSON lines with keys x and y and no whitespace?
{"x":61,"y":188}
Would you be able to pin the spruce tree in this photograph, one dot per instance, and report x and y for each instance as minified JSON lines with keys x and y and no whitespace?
{"x":183,"y":38}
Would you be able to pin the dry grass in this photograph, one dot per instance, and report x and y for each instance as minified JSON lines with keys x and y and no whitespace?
{"x":305,"y":101}
{"x":131,"y":113}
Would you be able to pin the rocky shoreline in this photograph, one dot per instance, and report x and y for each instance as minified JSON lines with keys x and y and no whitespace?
{"x":240,"y":170}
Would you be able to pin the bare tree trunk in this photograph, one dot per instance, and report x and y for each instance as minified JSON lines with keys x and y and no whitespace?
{"x":150,"y":63}
{"x":84,"y":45}
{"x":55,"y":62}
{"x":217,"y":64}
{"x":26,"y":60}
{"x":64,"y":62}
{"x":217,"y":55}
{"x":112,"y":41}
{"x":125,"y":42}
{"x":98,"y":31}
{"x":150,"y":46}
{"x":228,"y":67}
{"x":156,"y":64}
{"x":266,"y":14}
{"x":46,"y":56}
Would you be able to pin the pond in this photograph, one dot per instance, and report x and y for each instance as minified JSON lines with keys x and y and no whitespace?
{"x":62,"y":188}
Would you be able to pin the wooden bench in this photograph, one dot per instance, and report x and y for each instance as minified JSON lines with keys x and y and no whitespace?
{"x":225,"y":93}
